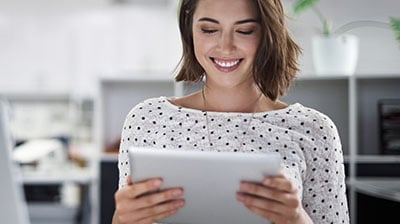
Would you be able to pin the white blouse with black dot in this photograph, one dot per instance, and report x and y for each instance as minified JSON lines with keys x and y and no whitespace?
{"x":307,"y":140}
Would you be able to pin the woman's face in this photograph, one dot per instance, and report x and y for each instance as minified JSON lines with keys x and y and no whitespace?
{"x":226,"y":35}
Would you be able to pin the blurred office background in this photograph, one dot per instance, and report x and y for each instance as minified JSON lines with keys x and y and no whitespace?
{"x":70,"y":70}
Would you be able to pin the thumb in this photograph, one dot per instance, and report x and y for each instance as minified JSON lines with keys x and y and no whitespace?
{"x":129,"y":180}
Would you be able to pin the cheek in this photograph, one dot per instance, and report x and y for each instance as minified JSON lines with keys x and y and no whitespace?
{"x":251,"y":47}
{"x":202,"y":46}
{"x":197,"y":50}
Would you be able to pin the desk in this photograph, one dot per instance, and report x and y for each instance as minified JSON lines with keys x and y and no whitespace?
{"x":61,"y":176}
{"x":385,"y":188}
{"x":70,"y":206}
{"x":377,"y":199}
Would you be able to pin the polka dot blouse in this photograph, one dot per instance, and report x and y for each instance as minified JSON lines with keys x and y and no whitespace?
{"x":306,"y":139}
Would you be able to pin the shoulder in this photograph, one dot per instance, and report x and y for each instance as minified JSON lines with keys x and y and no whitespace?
{"x":307,"y":117}
{"x":323,"y":147}
{"x":147,"y":108}
{"x":319,"y":130}
{"x":313,"y":127}
{"x":148,"y":105}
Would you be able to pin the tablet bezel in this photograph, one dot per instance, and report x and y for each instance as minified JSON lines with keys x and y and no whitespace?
{"x":201,"y":174}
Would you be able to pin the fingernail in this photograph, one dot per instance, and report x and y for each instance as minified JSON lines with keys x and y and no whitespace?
{"x":267,"y":181}
{"x":157,"y":183}
{"x":177,"y":193}
{"x":240,"y":197}
{"x":244,"y":187}
{"x":179,"y":204}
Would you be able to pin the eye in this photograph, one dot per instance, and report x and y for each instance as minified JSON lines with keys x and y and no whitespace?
{"x":208,"y":31}
{"x":245,"y":32}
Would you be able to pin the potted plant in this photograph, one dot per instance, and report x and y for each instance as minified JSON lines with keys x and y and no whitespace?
{"x":334,"y":51}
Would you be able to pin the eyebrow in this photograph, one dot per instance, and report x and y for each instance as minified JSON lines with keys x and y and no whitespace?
{"x":206,"y":19}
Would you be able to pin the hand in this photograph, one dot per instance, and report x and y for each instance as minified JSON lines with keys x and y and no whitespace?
{"x":275,"y":199}
{"x":145,"y":203}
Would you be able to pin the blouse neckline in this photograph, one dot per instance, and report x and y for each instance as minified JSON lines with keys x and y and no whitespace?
{"x":167,"y":102}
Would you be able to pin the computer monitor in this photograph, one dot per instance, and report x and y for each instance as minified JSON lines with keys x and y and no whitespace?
{"x":13,"y":208}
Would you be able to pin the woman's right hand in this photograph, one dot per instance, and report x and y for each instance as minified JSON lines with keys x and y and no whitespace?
{"x":144,"y":203}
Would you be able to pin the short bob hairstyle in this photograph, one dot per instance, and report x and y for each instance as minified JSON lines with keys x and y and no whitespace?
{"x":275,"y":64}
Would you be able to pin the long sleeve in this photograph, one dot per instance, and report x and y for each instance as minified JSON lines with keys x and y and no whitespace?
{"x":324,"y":189}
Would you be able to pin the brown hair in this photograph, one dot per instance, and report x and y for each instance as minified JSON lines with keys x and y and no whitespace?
{"x":275,"y":64}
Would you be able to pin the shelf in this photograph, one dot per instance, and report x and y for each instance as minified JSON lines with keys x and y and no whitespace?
{"x":377,"y":159}
{"x":320,"y":77}
{"x":374,"y":76}
{"x":356,"y":76}
{"x":157,"y":77}
{"x":36,"y":97}
{"x":373,"y":158}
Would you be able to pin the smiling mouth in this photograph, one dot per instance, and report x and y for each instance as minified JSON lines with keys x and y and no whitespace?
{"x":226,"y":64}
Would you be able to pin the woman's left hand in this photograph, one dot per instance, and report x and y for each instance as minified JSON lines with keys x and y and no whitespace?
{"x":275,"y":199}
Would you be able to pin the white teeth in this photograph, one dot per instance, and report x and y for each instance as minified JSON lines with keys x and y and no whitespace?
{"x":226,"y":64}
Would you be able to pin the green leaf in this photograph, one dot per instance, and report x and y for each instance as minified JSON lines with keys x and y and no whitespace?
{"x":395,"y":23}
{"x":302,"y":5}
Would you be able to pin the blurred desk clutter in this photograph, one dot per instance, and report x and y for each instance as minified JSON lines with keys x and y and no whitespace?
{"x":43,"y":154}
{"x":53,"y":146}
{"x":113,"y":147}
{"x":389,"y":124}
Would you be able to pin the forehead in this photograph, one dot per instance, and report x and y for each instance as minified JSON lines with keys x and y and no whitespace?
{"x":226,"y":9}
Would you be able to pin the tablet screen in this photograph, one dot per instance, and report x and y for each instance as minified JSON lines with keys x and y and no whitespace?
{"x":210,"y":180}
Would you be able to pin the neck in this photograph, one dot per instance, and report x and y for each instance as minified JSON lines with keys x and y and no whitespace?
{"x":246,"y":100}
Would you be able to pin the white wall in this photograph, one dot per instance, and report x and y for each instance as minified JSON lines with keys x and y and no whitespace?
{"x":61,"y":46}
{"x":35,"y":44}
{"x":64,"y":45}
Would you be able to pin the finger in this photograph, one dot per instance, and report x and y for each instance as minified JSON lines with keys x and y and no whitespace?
{"x":129,"y":180}
{"x":277,"y":217}
{"x":264,"y":204}
{"x":136,"y":189}
{"x":158,"y":217}
{"x":157,"y":198}
{"x":155,"y":211}
{"x":271,"y":216}
{"x":281,"y":183}
{"x":144,"y":187}
{"x":268,"y":193}
{"x":258,"y":190}
{"x":141,"y":214}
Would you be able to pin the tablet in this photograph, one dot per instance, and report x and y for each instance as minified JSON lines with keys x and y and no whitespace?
{"x":210,"y":181}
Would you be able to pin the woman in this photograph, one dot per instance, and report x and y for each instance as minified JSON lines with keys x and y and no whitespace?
{"x":243,"y":49}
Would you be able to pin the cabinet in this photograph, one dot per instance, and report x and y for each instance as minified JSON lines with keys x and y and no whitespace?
{"x":59,"y":211}
{"x":116,"y":97}
{"x":350,"y":101}
{"x":353,"y":104}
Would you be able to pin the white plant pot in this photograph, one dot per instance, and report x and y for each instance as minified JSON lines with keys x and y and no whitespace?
{"x":335,"y":55}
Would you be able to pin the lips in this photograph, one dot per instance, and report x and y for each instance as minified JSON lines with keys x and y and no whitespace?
{"x":226,"y":65}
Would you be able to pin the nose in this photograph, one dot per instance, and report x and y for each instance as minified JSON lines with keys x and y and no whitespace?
{"x":227,"y":43}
